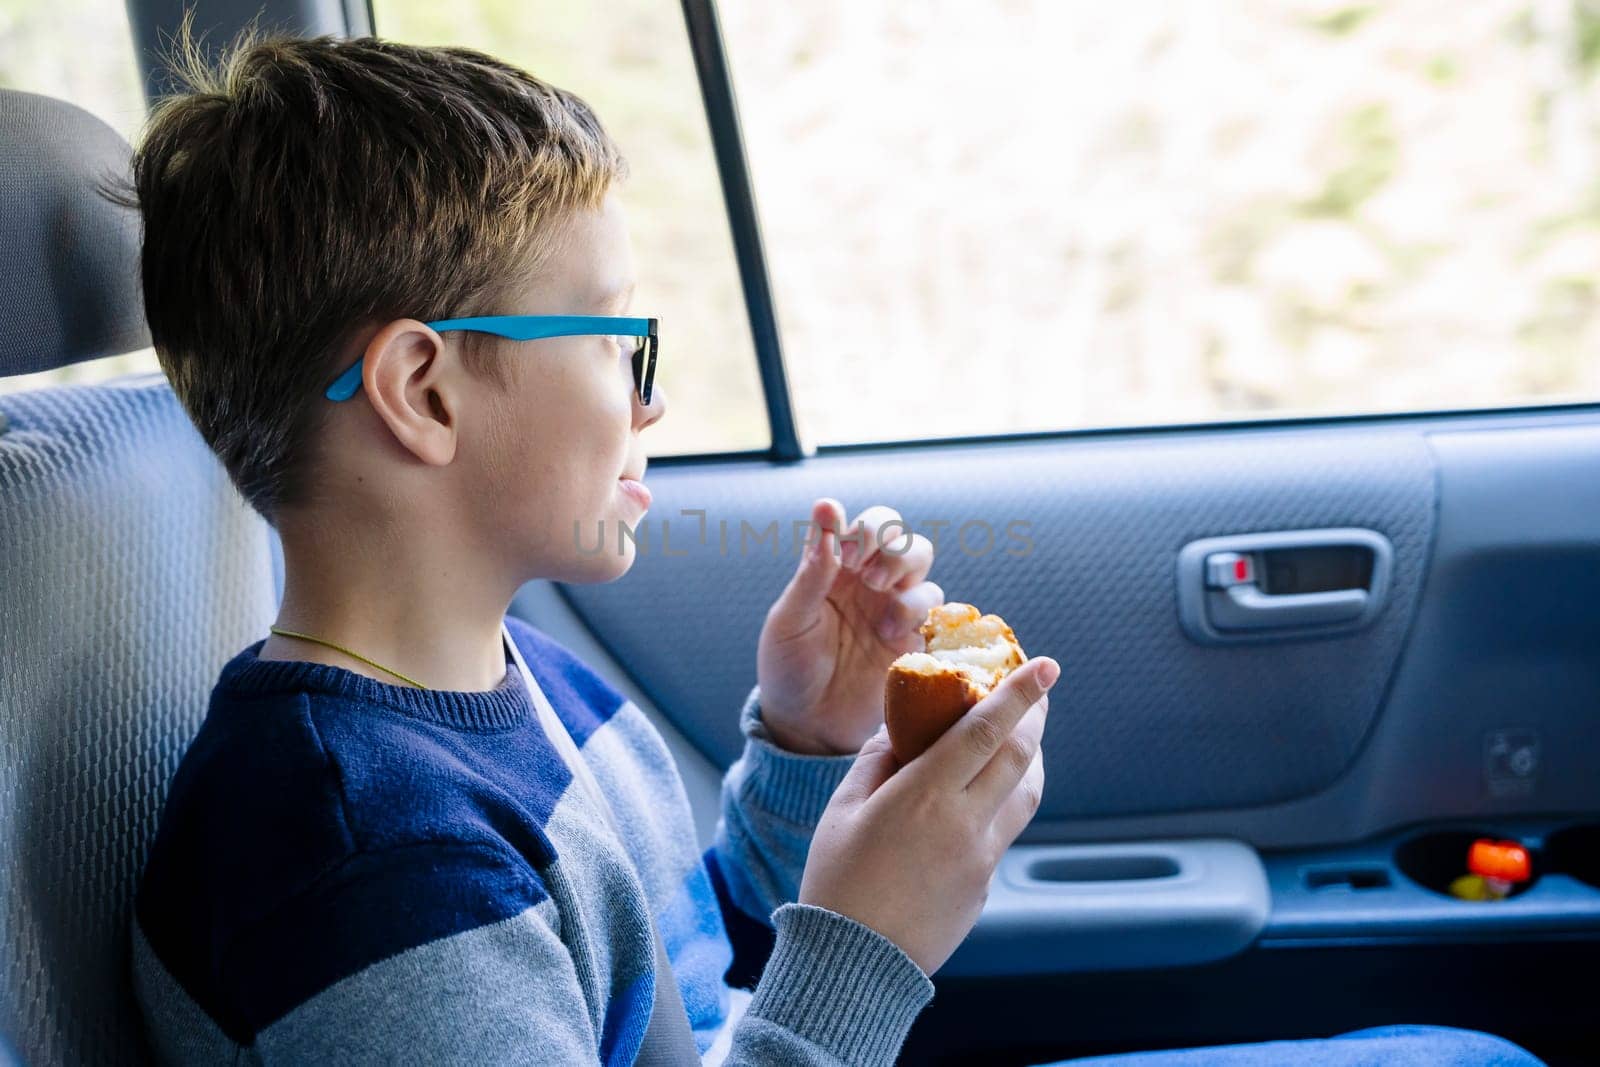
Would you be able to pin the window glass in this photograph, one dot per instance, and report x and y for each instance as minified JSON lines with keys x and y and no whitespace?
{"x":1037,"y":215}
{"x":79,"y":51}
{"x":631,"y":61}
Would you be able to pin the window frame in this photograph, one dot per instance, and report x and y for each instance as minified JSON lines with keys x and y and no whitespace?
{"x":738,"y":197}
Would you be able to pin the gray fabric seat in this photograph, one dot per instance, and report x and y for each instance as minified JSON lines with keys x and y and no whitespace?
{"x":130,"y":571}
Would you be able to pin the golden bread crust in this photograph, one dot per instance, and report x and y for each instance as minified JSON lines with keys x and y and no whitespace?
{"x":920,"y":704}
{"x":919,"y":707}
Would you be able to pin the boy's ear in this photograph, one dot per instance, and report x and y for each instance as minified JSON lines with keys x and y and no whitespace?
{"x":407,"y":374}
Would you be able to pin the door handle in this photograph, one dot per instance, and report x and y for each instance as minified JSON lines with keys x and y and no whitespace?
{"x":1246,"y":607}
{"x":1292,"y":583}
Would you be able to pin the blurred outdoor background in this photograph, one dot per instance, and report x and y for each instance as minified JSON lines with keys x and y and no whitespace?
{"x":1034,"y":215}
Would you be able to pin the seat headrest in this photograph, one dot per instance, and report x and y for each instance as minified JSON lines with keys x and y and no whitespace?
{"x":69,"y":279}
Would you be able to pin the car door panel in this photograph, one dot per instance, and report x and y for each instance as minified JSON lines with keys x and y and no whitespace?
{"x":1145,"y":720}
{"x":1495,"y":526}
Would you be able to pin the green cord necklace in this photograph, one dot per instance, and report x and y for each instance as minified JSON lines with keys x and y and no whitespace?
{"x":353,"y":655}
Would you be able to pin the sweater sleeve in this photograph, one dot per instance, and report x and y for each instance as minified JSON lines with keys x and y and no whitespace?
{"x":771,"y":801}
{"x":834,"y":994}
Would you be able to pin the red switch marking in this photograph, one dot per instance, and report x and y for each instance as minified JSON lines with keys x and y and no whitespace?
{"x":1241,"y":569}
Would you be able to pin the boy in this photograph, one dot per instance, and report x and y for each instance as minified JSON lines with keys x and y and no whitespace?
{"x":388,"y":842}
{"x":375,"y":849}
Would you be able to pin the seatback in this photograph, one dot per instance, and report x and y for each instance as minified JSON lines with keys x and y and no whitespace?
{"x":130,"y":571}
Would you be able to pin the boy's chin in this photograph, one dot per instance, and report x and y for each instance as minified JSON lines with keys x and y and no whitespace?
{"x":606,"y":566}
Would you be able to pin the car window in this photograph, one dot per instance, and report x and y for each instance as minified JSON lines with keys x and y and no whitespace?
{"x":79,"y":51}
{"x":1035,"y":215}
{"x":631,"y":61}
{"x":75,"y":50}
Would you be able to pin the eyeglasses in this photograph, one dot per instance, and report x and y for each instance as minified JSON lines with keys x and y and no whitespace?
{"x":641,"y":333}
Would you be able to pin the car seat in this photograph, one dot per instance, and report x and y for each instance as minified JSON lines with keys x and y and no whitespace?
{"x":130,"y":571}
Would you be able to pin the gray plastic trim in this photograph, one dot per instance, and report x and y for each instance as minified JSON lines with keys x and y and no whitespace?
{"x":1213,"y":904}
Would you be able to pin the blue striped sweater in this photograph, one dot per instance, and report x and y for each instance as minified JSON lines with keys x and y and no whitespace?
{"x":348,"y":871}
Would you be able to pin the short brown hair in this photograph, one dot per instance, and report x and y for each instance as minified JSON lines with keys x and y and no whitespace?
{"x":303,"y":187}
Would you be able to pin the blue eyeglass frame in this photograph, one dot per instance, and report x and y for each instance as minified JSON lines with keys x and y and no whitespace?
{"x":535,"y":328}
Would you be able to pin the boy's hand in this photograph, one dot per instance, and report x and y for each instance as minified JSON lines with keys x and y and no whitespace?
{"x":853,"y":605}
{"x":909,"y":851}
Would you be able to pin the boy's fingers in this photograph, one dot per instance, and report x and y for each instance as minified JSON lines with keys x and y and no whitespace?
{"x":828,"y":514}
{"x":900,"y":564}
{"x":860,"y":544}
{"x":1018,"y":808}
{"x":1015,"y":758}
{"x":968,"y":746}
{"x":874,"y":765}
{"x":906,"y":614}
{"x":800,"y":600}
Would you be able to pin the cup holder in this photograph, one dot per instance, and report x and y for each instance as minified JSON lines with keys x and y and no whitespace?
{"x":1109,"y":868}
{"x":1434,"y":860}
{"x":1575,"y":851}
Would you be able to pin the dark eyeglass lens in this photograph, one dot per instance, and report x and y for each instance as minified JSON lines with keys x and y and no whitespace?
{"x":644,"y":368}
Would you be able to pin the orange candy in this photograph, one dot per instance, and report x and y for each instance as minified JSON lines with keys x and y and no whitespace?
{"x":1506,"y":860}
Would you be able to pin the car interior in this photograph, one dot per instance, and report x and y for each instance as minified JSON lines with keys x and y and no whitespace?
{"x":1316,"y":670}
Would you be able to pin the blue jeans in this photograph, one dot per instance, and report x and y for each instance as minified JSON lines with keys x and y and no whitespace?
{"x":1385,"y":1046}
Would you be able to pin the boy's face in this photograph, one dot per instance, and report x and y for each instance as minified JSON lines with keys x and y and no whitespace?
{"x":561,"y":457}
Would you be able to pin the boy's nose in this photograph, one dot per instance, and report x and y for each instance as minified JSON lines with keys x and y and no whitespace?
{"x":648,"y":415}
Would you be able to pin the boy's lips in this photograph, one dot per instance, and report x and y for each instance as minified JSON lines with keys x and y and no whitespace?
{"x":636,"y":489}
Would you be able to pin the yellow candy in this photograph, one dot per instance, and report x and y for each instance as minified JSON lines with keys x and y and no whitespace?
{"x":1474,"y":887}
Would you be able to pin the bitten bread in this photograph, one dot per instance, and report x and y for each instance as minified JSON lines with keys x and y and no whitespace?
{"x":967,"y":655}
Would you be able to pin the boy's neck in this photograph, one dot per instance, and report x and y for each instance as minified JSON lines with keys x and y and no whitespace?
{"x":395,"y":603}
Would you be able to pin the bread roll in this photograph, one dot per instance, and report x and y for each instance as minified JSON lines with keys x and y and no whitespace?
{"x":966,"y":656}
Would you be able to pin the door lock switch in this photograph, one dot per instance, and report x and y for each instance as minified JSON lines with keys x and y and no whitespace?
{"x":1224,"y":570}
